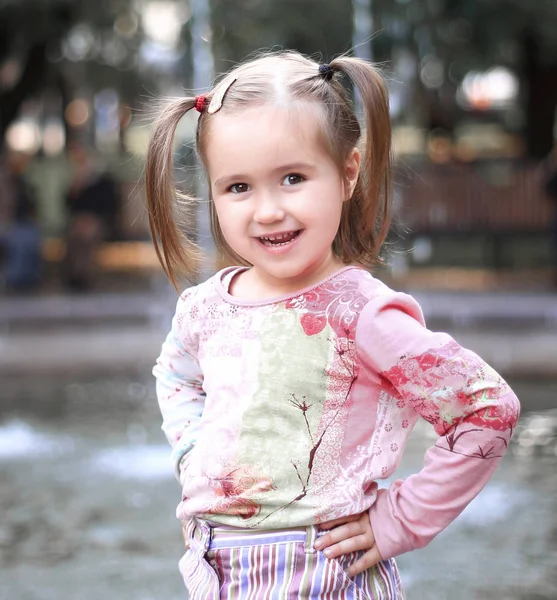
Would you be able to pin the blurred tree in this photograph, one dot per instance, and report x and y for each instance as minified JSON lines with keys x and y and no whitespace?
{"x":65,"y":44}
{"x":76,"y":44}
{"x":446,"y":38}
{"x":314,"y":27}
{"x":450,"y":38}
{"x":25,"y":36}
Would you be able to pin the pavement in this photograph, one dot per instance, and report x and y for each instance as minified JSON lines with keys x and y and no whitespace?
{"x":514,"y":330}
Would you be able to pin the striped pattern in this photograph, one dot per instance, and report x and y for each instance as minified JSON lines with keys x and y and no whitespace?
{"x":223,"y":564}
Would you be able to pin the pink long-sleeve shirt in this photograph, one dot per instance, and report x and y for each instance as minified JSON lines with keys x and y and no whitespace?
{"x":287,"y":412}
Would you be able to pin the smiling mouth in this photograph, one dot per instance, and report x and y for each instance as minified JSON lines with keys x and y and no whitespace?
{"x":279,"y":239}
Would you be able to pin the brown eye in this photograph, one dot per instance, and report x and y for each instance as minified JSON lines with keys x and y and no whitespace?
{"x":239,"y":188}
{"x":292,"y":179}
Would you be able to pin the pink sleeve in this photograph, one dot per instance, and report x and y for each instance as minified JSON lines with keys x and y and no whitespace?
{"x":470,"y":406}
{"x":179,"y":386}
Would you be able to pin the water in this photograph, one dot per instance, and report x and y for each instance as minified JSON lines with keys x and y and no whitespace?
{"x":87,"y":499}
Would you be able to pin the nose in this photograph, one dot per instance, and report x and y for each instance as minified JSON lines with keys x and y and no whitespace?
{"x":268,"y":209}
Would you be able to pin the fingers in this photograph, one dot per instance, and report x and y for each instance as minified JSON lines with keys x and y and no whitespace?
{"x":340,"y":533}
{"x":368,"y":560}
{"x":350,"y":537}
{"x":351,"y":534}
{"x":344,"y":528}
{"x":347,"y":546}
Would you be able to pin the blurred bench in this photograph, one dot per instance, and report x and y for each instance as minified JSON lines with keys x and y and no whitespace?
{"x":112,"y":256}
{"x":492,"y":214}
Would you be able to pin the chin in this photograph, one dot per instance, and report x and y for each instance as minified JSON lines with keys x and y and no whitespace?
{"x":291,"y":272}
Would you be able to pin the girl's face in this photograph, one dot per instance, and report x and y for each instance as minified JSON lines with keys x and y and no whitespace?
{"x":278,"y":194}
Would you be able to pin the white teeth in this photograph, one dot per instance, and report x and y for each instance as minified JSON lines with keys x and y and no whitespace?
{"x":279,"y":239}
{"x":272,"y":238}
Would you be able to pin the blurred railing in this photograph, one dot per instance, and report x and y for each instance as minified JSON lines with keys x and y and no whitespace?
{"x":490,"y":205}
{"x":491,"y":196}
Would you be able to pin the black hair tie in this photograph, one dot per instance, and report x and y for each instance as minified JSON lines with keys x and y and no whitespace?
{"x":326,"y":72}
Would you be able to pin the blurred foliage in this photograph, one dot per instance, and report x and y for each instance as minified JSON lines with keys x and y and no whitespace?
{"x":314,"y":27}
{"x":474,"y":36}
{"x":463,"y":37}
{"x":479,"y":32}
{"x":34,"y":35}
{"x":108,"y":41}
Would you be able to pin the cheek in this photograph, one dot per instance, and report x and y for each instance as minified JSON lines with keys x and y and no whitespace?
{"x":231,"y":219}
{"x":330,"y":220}
{"x":330,"y":212}
{"x":225,"y":212}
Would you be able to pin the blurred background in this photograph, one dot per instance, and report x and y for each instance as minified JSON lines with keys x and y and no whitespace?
{"x":86,"y":490}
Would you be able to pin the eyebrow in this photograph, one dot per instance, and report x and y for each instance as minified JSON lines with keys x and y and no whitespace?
{"x":240,"y":177}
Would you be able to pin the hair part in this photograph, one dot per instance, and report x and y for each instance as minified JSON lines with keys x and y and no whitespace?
{"x":286,"y":79}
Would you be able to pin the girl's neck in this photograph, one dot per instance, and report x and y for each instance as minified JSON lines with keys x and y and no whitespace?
{"x":255,"y":284}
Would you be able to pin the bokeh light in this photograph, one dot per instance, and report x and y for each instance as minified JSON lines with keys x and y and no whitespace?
{"x":496,"y":88}
{"x":79,"y":42}
{"x":78,"y":112}
{"x":24,"y":136}
{"x":162,"y":21}
{"x":54,"y":137}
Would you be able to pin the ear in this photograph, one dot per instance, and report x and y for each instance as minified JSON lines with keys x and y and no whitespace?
{"x":351,"y":172}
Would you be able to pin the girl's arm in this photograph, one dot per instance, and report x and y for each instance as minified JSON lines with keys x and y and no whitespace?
{"x":472,"y":409}
{"x":179,"y":385}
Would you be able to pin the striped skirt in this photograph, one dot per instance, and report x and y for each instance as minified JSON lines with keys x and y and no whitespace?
{"x":233,"y":564}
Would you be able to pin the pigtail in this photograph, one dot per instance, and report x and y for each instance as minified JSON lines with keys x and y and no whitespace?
{"x":366,"y":217}
{"x":176,"y":252}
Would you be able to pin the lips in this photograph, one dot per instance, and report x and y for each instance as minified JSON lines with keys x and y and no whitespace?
{"x":279,"y":239}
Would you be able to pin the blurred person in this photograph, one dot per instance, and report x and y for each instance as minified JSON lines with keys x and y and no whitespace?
{"x":551,"y":191}
{"x":20,"y":238}
{"x":289,"y":384}
{"x":92,"y":203}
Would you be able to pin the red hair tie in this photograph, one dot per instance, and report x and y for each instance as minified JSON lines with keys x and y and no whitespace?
{"x":200,"y":103}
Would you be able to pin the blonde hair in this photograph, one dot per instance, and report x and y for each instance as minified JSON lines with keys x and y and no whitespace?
{"x":290,"y":79}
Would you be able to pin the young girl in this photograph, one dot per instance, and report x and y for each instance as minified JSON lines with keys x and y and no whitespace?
{"x":289,"y":384}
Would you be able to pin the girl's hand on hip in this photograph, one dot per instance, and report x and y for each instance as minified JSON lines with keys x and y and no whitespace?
{"x":350,"y":534}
